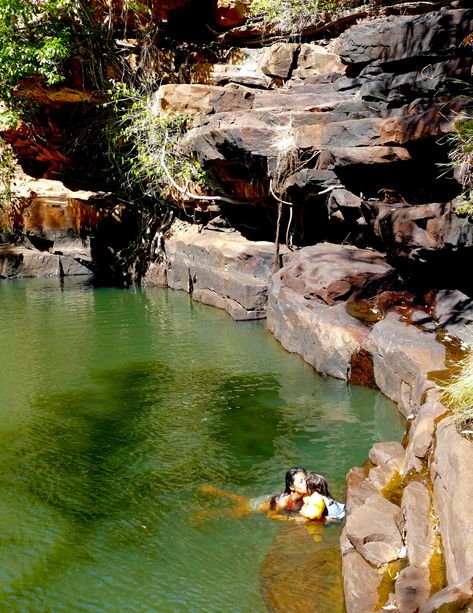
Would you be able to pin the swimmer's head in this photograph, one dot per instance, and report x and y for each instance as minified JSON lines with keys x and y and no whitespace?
{"x":295,"y":481}
{"x":317,"y":483}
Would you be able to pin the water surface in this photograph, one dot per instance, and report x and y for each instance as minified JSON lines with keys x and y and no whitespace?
{"x":116,"y":408}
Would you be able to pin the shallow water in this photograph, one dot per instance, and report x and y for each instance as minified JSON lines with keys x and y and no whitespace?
{"x":116,"y":408}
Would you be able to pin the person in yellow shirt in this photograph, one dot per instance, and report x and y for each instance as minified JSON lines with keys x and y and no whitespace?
{"x":319,"y":504}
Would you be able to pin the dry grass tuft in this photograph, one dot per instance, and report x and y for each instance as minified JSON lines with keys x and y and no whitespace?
{"x":459,"y":396}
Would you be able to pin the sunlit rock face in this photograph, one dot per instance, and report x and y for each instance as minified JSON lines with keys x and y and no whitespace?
{"x":219,"y":268}
{"x":230,"y":13}
{"x":58,"y":227}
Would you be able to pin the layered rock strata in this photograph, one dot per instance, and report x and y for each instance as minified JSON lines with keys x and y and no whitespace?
{"x":350,"y":129}
{"x":408,"y":514}
{"x":222,"y":269}
{"x":55,"y":227}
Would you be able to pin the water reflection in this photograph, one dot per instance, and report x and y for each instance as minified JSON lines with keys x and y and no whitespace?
{"x":116,"y":408}
{"x":301,"y":572}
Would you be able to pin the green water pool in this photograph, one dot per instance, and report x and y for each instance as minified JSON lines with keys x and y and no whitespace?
{"x":116,"y":408}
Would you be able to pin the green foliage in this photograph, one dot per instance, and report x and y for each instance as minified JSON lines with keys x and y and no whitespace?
{"x":459,"y":394}
{"x":461,"y":157}
{"x":146,"y":142}
{"x":294,"y":15}
{"x":7,"y":172}
{"x":465,"y":210}
{"x":35,"y":39}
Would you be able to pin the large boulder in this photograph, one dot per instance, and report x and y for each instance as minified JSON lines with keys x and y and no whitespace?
{"x":221,"y":269}
{"x":375,"y":530}
{"x":328,"y":273}
{"x":432,"y":36}
{"x":278,"y":59}
{"x":402,"y":358}
{"x":326,"y":337}
{"x":452,"y":475}
{"x":315,"y":60}
{"x":306,"y":309}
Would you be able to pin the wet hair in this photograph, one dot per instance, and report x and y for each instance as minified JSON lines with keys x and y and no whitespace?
{"x":291,"y":473}
{"x":317,"y":483}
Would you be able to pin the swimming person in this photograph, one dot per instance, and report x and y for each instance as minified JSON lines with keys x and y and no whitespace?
{"x":278,"y":506}
{"x":291,"y":500}
{"x":319,"y":504}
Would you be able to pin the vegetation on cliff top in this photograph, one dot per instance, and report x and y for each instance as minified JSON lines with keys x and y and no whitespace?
{"x":292,"y":16}
{"x":35,"y":40}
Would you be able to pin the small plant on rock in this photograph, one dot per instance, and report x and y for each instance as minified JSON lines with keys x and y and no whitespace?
{"x":459,"y":396}
{"x":7,"y":173}
{"x":7,"y":196}
{"x":461,"y":156}
{"x":292,"y":16}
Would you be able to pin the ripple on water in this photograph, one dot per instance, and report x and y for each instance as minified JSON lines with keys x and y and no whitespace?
{"x":117,"y":408}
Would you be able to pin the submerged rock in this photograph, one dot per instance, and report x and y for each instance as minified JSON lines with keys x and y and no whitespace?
{"x":360,"y":582}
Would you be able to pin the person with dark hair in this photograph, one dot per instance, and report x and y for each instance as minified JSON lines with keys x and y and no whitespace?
{"x":319,"y":503}
{"x":279,"y":506}
{"x":295,"y":489}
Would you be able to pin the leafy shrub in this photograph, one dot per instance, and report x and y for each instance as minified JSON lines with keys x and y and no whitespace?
{"x":293,"y":15}
{"x":461,"y":157}
{"x":35,"y":39}
{"x":147,"y":144}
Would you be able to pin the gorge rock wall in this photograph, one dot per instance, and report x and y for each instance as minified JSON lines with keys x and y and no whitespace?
{"x":339,"y":136}
{"x":405,"y":544}
{"x":60,"y":232}
{"x":349,"y":131}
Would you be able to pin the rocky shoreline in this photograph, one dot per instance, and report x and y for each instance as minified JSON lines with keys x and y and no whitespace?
{"x":407,"y":536}
{"x":349,"y":123}
{"x":403,"y":546}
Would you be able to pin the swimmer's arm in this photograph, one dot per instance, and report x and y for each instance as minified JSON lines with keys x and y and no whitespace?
{"x":281,"y":517}
{"x":273,"y":505}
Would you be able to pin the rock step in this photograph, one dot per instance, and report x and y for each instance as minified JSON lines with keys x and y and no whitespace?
{"x":221,"y":269}
{"x":18,"y":262}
